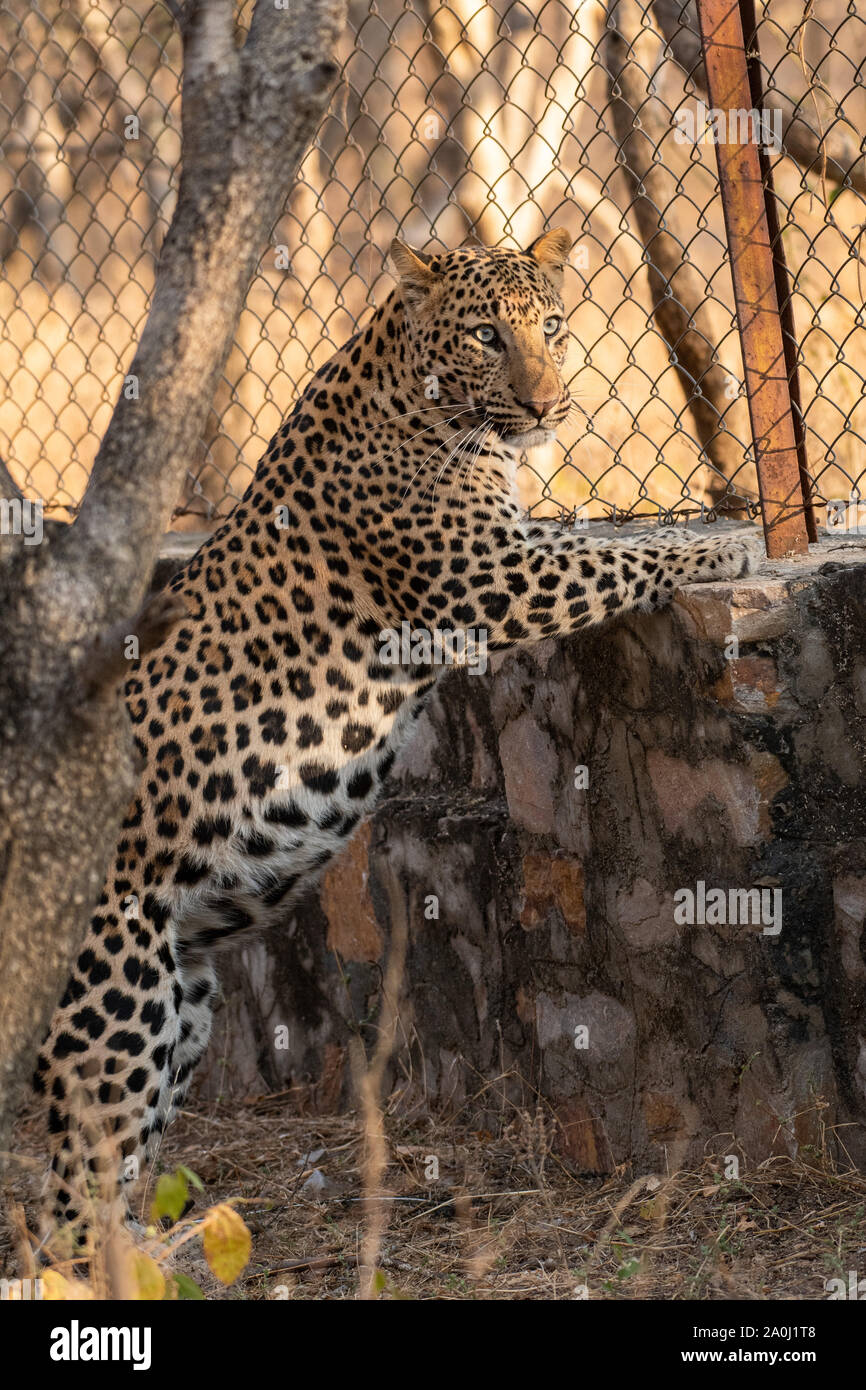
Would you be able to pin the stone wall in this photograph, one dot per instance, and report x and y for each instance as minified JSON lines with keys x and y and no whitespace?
{"x":543,"y":900}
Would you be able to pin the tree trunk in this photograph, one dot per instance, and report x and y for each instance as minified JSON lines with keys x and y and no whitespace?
{"x":70,"y":604}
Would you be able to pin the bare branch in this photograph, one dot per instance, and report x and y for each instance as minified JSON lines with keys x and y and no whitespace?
{"x":310,"y":68}
{"x":836,"y":147}
{"x":247,"y":121}
{"x":181,"y":12}
{"x":678,"y":291}
{"x":8,"y":486}
{"x":208,"y":39}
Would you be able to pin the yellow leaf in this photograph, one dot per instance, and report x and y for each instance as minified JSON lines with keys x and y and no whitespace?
{"x":227,"y":1243}
{"x":147,"y":1276}
{"x":54,"y":1287}
{"x":57,"y":1289}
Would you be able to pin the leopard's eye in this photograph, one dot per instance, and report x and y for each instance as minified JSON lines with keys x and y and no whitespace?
{"x":552,"y":325}
{"x":486,"y":334}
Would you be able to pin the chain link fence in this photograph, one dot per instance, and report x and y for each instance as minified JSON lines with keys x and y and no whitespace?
{"x":452,"y":120}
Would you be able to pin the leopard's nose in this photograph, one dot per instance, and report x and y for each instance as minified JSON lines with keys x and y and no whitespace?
{"x":539,"y":405}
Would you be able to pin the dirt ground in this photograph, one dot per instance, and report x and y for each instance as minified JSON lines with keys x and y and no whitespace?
{"x":476,"y":1215}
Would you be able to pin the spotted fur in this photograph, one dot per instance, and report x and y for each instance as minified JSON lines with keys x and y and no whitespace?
{"x":268,"y":721}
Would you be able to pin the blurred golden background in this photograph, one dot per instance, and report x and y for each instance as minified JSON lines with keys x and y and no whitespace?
{"x":450,"y":120}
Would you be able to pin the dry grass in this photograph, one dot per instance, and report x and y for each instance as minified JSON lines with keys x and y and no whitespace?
{"x":507,"y":1218}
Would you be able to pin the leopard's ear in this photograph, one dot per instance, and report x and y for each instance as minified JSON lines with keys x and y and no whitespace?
{"x":551,"y":250}
{"x":413,"y":271}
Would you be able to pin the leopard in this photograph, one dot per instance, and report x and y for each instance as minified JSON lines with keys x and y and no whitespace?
{"x":268,"y":719}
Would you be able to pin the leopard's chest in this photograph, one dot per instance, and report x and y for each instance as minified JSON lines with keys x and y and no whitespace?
{"x":244,"y":865}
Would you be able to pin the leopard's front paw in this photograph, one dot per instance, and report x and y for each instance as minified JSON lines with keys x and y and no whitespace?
{"x":742,"y":555}
{"x":724,"y":557}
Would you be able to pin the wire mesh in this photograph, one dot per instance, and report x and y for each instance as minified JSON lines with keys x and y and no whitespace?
{"x":452,"y":120}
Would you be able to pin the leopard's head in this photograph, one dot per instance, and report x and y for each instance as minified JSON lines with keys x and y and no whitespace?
{"x":487,"y":332}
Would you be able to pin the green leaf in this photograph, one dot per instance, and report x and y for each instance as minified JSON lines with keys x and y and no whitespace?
{"x":171,"y":1196}
{"x":186,"y":1288}
{"x":192,"y":1178}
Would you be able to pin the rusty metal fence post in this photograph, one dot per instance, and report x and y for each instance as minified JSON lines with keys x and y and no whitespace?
{"x":758,"y":274}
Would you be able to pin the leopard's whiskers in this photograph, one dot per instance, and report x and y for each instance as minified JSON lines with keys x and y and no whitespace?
{"x":467,"y":476}
{"x":575,"y":405}
{"x":425,"y":409}
{"x":455,"y":453}
{"x":466,"y":455}
{"x":433,"y":451}
{"x":438,"y":473}
{"x":426,"y":430}
{"x":472,"y":451}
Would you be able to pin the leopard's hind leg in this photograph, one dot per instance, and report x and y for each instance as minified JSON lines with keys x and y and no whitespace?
{"x":110,"y":1049}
